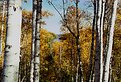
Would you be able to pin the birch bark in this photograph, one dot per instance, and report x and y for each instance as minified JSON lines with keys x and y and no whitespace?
{"x":33,"y":39}
{"x":101,"y":36}
{"x":37,"y":41}
{"x":110,"y":43}
{"x":12,"y":44}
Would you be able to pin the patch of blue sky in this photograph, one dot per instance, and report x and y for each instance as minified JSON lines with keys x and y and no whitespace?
{"x":27,"y":5}
{"x":53,"y":22}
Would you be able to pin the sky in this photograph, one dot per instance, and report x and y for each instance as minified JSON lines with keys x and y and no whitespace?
{"x":53,"y":22}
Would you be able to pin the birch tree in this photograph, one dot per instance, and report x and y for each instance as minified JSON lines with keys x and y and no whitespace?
{"x":12,"y":44}
{"x":99,"y":41}
{"x":34,"y":13}
{"x":110,"y":42}
{"x":35,"y":60}
{"x":37,"y":41}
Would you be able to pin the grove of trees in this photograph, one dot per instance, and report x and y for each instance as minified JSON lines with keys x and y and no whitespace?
{"x":88,"y":50}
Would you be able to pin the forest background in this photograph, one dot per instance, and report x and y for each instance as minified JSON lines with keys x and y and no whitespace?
{"x":58,"y":54}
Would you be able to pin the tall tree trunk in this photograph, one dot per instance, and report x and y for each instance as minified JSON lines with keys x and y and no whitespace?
{"x":35,"y":58}
{"x":12,"y":44}
{"x":99,"y":41}
{"x":110,"y":42}
{"x":37,"y":42}
{"x":92,"y":47}
{"x":33,"y":39}
{"x":79,"y":63}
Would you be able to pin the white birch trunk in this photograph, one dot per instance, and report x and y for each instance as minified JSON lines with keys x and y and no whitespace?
{"x":110,"y":44}
{"x":101,"y":39}
{"x":37,"y":42}
{"x":35,"y":58}
{"x":33,"y":40}
{"x":12,"y":46}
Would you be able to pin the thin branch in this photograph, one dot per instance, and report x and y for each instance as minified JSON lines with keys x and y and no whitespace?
{"x":71,"y":31}
{"x":56,"y":9}
{"x":62,"y":18}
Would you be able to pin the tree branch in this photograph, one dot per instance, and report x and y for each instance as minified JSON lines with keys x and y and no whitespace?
{"x":62,"y":19}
